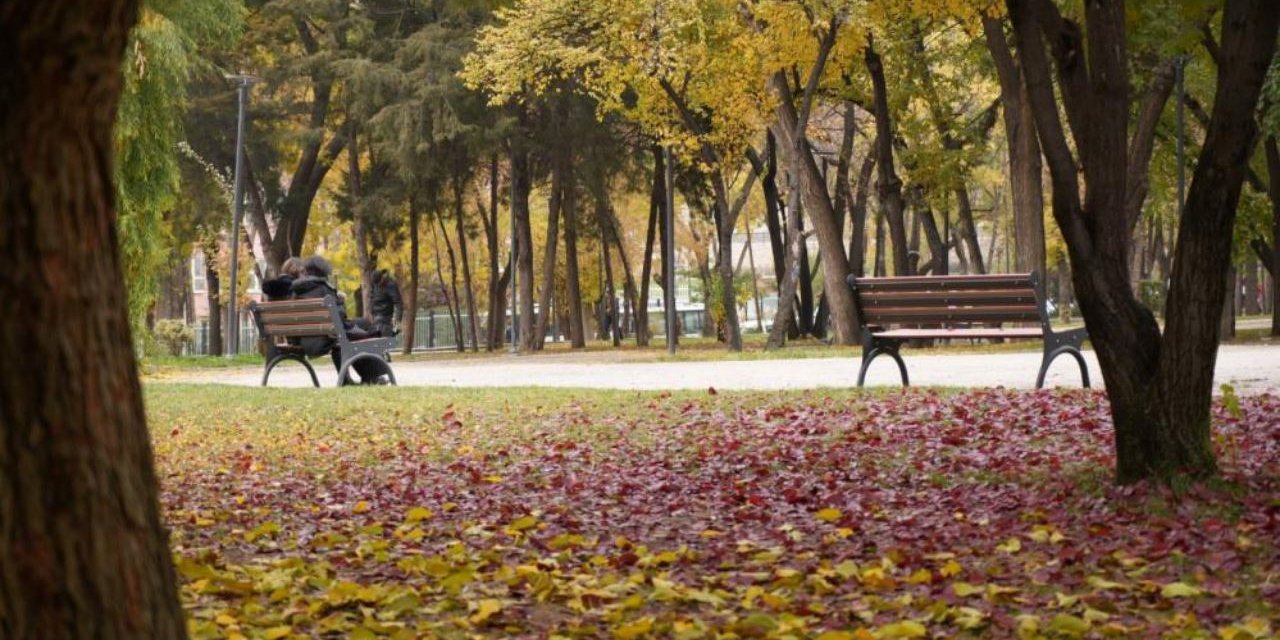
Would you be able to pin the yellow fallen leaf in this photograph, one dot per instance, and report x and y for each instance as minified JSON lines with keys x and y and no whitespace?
{"x":964,"y":589}
{"x":417,"y":514}
{"x":276,"y":633}
{"x":360,"y":507}
{"x":521,"y":524}
{"x":904,"y":629}
{"x":950,"y":569}
{"x":1069,"y":625}
{"x":1012,"y":545}
{"x":1179,"y":590}
{"x":633,"y":630}
{"x":484,"y":609}
{"x":830,"y":514}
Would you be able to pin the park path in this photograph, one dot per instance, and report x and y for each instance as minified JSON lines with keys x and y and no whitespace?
{"x":1249,"y":368}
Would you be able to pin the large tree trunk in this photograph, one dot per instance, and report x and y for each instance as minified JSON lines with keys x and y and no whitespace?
{"x":521,"y":184}
{"x":1160,"y":385}
{"x":1024,"y":153}
{"x":549,"y":259}
{"x":410,"y":320}
{"x":83,"y":553}
{"x":889,"y":187}
{"x":468,"y":288}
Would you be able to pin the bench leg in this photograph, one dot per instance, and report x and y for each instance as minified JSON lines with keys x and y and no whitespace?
{"x":1050,"y":355}
{"x":271,"y":364}
{"x":870,"y":353}
{"x":346,"y":367}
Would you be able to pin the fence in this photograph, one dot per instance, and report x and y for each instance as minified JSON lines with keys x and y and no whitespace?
{"x":435,"y":331}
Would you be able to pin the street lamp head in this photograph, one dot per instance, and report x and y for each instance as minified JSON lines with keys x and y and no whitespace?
{"x":242,"y":78}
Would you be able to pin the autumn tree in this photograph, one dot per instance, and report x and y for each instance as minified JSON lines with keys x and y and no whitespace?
{"x":1159,"y":383}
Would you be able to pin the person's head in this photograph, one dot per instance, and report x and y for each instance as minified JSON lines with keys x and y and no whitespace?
{"x":292,"y":267}
{"x":380,"y":276}
{"x":317,"y":267}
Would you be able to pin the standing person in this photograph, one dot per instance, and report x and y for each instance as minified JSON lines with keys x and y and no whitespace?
{"x":386,"y":303}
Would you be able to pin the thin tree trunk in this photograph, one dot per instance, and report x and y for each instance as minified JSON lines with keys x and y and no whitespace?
{"x":1025,"y":166}
{"x":1273,"y":186}
{"x":549,"y":259}
{"x":628,"y":278}
{"x":609,"y":297}
{"x":520,"y":187}
{"x":214,"y":298}
{"x":459,"y":219}
{"x":787,"y":287}
{"x":410,"y":321}
{"x":657,"y":198}
{"x":455,"y":303}
{"x":858,"y":218}
{"x":889,"y":187}
{"x":573,"y":279}
{"x":357,"y":221}
{"x":83,"y":550}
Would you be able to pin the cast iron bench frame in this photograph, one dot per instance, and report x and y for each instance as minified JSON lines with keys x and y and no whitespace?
{"x":967,"y":307}
{"x":313,"y":318}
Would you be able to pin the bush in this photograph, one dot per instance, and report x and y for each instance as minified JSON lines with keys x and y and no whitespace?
{"x":173,"y":335}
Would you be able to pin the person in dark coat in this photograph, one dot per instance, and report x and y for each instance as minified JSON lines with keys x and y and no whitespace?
{"x":314,"y":283}
{"x":280,"y":287}
{"x":385,"y":303}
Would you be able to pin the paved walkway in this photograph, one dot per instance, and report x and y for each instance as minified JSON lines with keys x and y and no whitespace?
{"x":1248,"y":368}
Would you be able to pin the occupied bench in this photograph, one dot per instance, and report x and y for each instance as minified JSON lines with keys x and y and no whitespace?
{"x":282,"y":324}
{"x":894,"y":310}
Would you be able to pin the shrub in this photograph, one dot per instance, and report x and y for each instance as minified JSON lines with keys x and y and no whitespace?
{"x":173,"y":335}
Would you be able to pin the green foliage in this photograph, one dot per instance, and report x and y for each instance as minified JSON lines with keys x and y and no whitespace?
{"x":163,"y":49}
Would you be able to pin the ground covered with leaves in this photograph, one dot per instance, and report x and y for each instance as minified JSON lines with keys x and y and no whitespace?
{"x":408,"y":513}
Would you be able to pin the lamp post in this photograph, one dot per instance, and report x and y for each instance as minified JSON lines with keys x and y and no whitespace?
{"x":237,"y":208}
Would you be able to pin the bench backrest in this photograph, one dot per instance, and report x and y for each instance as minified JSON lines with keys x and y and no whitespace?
{"x":950,"y":300}
{"x":310,"y":317}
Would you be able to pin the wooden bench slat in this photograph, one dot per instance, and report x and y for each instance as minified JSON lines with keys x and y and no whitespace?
{"x":947,"y":298}
{"x":962,"y":334}
{"x":914,"y":283}
{"x":296,"y":317}
{"x":988,"y":313}
{"x":300,"y":330}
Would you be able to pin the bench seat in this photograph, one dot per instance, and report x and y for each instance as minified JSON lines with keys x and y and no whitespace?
{"x":281,"y":323}
{"x":961,"y":334}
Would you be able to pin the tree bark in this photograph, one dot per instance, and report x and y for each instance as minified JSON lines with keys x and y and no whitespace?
{"x":785,"y":315}
{"x":889,"y":187}
{"x":410,"y":320}
{"x":83,"y":550}
{"x":609,"y":296}
{"x":1273,"y":187}
{"x":1025,"y":167}
{"x":1160,"y":385}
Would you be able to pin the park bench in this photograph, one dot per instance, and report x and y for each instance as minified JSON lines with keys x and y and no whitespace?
{"x":894,"y":310}
{"x":280,"y":324}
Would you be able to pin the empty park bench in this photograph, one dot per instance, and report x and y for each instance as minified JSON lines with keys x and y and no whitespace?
{"x":894,"y":310}
{"x":280,"y":324}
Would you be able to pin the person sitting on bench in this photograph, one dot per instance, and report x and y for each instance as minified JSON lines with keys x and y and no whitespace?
{"x":314,"y":283}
